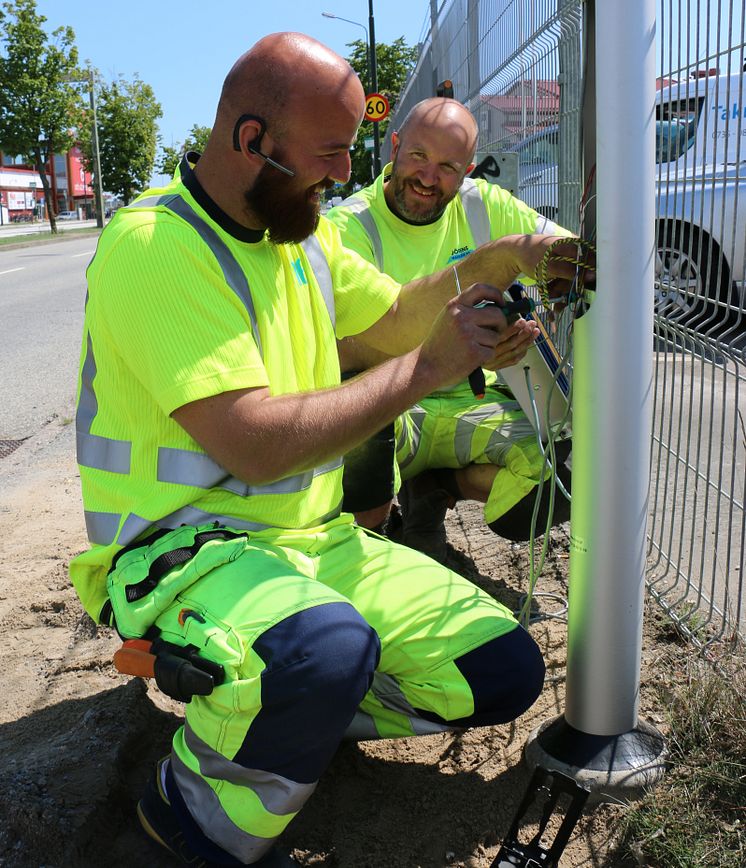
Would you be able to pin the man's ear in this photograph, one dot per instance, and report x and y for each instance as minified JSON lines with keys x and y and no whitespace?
{"x":395,"y":142}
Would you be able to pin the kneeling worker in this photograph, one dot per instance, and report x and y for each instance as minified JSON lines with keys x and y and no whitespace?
{"x":210,"y":428}
{"x":423,"y":214}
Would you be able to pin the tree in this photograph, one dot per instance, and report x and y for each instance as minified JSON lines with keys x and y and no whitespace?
{"x":39,"y":105}
{"x":128,"y":136}
{"x":171,"y":157}
{"x":393,"y":64}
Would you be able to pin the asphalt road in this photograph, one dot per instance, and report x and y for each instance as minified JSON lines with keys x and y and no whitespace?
{"x":42,"y":294}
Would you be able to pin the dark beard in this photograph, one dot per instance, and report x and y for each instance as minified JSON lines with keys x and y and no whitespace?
{"x":416,"y":217}
{"x":288,"y":214}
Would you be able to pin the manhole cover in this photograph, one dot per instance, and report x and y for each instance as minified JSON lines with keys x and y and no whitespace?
{"x":8,"y":446}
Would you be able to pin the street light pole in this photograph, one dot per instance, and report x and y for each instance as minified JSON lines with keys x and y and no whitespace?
{"x":98,"y":194}
{"x":374,"y":89}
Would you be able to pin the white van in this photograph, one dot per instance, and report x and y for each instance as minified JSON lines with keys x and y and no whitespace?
{"x":701,"y":197}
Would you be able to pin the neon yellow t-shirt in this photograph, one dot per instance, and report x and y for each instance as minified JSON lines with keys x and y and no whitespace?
{"x":411,"y":251}
{"x":184,"y":304}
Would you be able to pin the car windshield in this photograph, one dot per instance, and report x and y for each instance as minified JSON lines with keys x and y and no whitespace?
{"x":676,"y":127}
{"x":673,"y":137}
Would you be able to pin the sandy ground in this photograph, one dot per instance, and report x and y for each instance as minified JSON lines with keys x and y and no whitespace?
{"x":78,"y":740}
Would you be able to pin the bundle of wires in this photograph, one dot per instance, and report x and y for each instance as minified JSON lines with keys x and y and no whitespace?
{"x":577,"y":301}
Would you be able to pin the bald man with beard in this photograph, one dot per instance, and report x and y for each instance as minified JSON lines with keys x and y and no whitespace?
{"x":211,"y":423}
{"x":422,"y":215}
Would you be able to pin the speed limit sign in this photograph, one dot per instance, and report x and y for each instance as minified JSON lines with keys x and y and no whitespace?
{"x":376,"y":107}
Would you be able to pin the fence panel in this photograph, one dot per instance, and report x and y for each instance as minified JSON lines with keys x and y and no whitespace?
{"x":519,"y":66}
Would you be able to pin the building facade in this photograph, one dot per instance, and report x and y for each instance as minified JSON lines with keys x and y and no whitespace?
{"x":22,"y":191}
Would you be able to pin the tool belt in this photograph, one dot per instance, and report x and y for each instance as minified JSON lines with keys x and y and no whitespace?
{"x":145,"y":579}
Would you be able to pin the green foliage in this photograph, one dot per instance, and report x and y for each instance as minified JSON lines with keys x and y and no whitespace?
{"x":128,"y":136}
{"x":171,"y":157}
{"x":40,"y":106}
{"x":393,"y":64}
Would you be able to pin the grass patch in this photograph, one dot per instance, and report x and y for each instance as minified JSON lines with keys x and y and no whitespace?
{"x":696,"y":816}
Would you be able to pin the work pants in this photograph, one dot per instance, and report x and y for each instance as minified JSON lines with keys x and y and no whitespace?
{"x":324,"y":632}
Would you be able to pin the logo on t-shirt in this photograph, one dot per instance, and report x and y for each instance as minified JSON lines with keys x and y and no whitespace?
{"x":458,"y":253}
{"x":299,"y":273}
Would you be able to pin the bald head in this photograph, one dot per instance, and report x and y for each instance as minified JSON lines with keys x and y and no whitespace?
{"x":282,"y":73}
{"x":287,"y":117}
{"x":446,"y":118}
{"x":431,"y":153}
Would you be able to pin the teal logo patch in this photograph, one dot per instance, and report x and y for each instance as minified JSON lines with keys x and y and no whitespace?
{"x":458,"y":253}
{"x":299,"y":273}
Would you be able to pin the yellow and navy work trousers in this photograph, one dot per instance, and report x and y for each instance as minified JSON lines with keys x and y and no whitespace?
{"x":322,"y":632}
{"x":453,"y":429}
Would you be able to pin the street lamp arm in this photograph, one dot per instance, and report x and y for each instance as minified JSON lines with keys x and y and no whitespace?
{"x":370,"y":50}
{"x":349,"y":21}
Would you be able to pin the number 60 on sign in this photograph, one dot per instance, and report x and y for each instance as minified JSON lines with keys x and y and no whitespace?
{"x":376,"y":107}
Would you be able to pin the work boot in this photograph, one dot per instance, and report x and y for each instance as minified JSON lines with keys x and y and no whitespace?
{"x":424,"y":505}
{"x":161,"y":824}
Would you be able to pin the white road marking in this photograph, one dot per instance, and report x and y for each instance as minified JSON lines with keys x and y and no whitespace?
{"x":11,"y":270}
{"x":87,"y":253}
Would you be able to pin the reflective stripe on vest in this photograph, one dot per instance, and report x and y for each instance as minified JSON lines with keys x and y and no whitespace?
{"x":361,"y":209}
{"x":478,"y":217}
{"x":475,"y":211}
{"x":322,"y":273}
{"x":101,"y":453}
{"x":181,"y":466}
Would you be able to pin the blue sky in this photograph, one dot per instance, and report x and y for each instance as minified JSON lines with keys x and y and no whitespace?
{"x":184,"y":49}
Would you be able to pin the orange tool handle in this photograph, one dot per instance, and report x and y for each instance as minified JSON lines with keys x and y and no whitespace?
{"x":135,"y":658}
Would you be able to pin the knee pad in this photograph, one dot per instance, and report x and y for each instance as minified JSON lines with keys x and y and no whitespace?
{"x":319,"y":664}
{"x":505,"y":675}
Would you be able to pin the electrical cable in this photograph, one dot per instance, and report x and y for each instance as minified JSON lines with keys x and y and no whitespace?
{"x":577,"y":298}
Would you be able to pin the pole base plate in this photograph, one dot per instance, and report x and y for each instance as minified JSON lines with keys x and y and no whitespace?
{"x":612,"y":767}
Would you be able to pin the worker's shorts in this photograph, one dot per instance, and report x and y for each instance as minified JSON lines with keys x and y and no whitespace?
{"x":321,"y":632}
{"x":371,"y":475}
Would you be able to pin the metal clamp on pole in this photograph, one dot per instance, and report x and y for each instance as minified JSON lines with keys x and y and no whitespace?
{"x":551,"y":785}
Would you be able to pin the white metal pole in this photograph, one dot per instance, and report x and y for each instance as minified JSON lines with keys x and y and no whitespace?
{"x":600,"y":740}
{"x":612,"y":407}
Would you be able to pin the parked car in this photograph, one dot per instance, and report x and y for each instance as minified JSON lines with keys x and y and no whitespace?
{"x":701,"y":227}
{"x":67,"y":215}
{"x":700,"y":268}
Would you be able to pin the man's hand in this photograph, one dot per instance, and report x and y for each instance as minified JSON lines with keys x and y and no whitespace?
{"x":465,"y":337}
{"x":534,"y":254}
{"x":514,"y":345}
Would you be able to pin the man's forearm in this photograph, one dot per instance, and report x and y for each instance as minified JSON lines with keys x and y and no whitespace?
{"x":496,"y":262}
{"x":262,"y":439}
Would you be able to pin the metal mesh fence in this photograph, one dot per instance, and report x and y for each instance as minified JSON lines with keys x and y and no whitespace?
{"x":520,"y":67}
